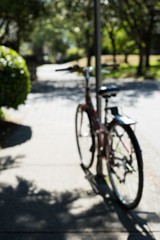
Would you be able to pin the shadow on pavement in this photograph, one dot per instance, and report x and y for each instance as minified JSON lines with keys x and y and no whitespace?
{"x":28,"y":213}
{"x":7,"y":162}
{"x":49,"y":90}
{"x":74,"y":90}
{"x":132,"y":91}
{"x":145,"y":86}
{"x":130,"y":219}
{"x":13,"y":134}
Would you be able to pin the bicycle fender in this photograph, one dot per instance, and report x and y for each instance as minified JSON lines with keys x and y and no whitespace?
{"x":124,"y":120}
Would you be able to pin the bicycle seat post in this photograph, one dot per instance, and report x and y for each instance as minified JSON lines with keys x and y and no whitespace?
{"x":86,"y":73}
{"x":87,"y":76}
{"x":106,"y":111}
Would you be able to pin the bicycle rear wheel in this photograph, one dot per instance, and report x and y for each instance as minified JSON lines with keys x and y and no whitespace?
{"x":85,"y":137}
{"x":125,"y":166}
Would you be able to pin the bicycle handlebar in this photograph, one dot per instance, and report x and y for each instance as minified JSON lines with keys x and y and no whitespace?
{"x":77,"y":68}
{"x":109,"y":65}
{"x":64,"y":69}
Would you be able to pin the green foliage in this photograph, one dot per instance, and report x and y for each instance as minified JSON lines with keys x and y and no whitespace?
{"x":14,"y":78}
{"x":52,"y":26}
{"x":129,"y":71}
{"x":17,"y":20}
{"x":73,"y":54}
{"x":122,"y":43}
{"x":78,"y":20}
{"x":140,"y":20}
{"x":2,"y":114}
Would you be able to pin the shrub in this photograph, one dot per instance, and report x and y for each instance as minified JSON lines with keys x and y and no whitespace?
{"x":14,"y":78}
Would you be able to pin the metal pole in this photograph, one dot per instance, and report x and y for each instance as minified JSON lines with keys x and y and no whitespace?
{"x":99,"y":167}
{"x":98,"y":53}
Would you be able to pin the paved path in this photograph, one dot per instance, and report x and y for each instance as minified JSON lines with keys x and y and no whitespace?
{"x":44,"y":193}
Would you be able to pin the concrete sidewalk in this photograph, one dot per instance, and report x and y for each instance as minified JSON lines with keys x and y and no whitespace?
{"x":44,"y":193}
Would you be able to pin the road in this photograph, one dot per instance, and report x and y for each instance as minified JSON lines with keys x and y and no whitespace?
{"x":44,"y":193}
{"x":140,"y":100}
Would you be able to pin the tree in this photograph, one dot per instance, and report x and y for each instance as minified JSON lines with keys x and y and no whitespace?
{"x":81,"y":15}
{"x":138,"y":19}
{"x":73,"y":21}
{"x":110,"y":23}
{"x":17,"y":20}
{"x":115,"y":39}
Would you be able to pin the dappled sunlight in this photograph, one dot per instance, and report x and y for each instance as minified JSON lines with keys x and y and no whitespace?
{"x":48,"y":90}
{"x":26,"y":209}
{"x":51,"y":200}
{"x":70,"y":86}
{"x":131,"y":92}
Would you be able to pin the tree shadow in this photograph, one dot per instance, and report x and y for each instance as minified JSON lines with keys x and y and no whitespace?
{"x":13,"y":134}
{"x":30,"y":213}
{"x":73,"y":90}
{"x":7,"y":162}
{"x":142,"y":86}
{"x":130,"y":219}
{"x":132,"y":91}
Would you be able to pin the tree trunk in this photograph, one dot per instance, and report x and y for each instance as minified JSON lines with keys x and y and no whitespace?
{"x":111,"y":34}
{"x":141,"y":59}
{"x":89,"y":57}
{"x":18,"y":40}
{"x":147,"y":54}
{"x":89,"y":47}
{"x":126,"y":58}
{"x":148,"y":38}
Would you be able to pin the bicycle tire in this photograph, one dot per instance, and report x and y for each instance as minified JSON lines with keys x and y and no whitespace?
{"x":125,"y":165}
{"x":84,"y":137}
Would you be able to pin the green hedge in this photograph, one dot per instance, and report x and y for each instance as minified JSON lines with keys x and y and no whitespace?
{"x":14,"y":78}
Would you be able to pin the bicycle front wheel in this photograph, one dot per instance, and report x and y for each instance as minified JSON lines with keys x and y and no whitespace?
{"x":85,"y":137}
{"x":125,"y":166}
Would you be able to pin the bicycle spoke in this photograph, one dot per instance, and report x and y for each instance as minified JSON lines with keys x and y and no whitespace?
{"x":124,"y":169}
{"x":85,"y":138}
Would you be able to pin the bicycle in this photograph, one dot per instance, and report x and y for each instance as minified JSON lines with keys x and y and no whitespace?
{"x":114,"y":140}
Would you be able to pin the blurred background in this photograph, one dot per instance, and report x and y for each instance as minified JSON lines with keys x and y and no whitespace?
{"x":49,"y":31}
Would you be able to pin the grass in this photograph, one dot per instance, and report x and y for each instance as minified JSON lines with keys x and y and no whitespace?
{"x":129,"y":70}
{"x":2,"y":114}
{"x":123,"y":71}
{"x":153,"y":72}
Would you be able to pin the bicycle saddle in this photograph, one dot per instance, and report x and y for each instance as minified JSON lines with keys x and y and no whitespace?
{"x":108,"y":91}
